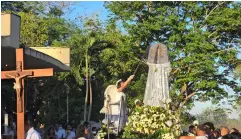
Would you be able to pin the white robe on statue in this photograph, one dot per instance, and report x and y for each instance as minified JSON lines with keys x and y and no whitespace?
{"x":157,"y":88}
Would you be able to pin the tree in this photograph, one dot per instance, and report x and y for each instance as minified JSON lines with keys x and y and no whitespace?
{"x":237,"y":72}
{"x":202,"y":39}
{"x":218,"y":116}
{"x":23,"y":6}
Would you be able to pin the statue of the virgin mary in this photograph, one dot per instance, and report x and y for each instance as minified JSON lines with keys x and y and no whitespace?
{"x":157,"y":88}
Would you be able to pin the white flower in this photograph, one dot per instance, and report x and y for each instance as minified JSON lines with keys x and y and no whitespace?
{"x":162,"y":117}
{"x":169,"y":123}
{"x":195,"y":122}
{"x":178,"y":126}
{"x":169,"y":112}
{"x":168,"y":136}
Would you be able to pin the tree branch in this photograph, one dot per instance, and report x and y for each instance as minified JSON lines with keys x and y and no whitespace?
{"x":212,"y":11}
{"x":186,"y":99}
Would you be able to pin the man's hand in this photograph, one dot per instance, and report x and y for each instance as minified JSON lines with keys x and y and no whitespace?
{"x":131,"y":77}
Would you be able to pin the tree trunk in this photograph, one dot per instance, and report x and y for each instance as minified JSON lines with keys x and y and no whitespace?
{"x":87,"y":84}
{"x":90,"y":108}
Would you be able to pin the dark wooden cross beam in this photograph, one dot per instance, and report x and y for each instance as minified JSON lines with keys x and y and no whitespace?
{"x":18,"y":75}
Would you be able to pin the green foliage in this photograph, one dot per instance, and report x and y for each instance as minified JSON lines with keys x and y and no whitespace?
{"x":34,"y":30}
{"x":22,"y":6}
{"x":237,"y":72}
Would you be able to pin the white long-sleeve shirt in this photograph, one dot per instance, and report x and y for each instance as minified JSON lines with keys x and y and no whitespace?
{"x":32,"y":134}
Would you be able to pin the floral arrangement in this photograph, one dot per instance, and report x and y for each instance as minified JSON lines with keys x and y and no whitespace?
{"x":147,"y":122}
{"x":153,"y":122}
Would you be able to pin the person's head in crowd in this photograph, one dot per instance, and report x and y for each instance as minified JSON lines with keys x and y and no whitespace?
{"x":201,"y":130}
{"x":232,"y":136}
{"x":68,"y":128}
{"x":80,"y":131}
{"x":224,"y":131}
{"x":216,"y":133}
{"x":233,"y":130}
{"x":60,"y":127}
{"x":87,"y":127}
{"x":94,"y":131}
{"x":192,"y":129}
{"x":51,"y":131}
{"x":28,"y":122}
{"x":237,"y":134}
{"x":210,"y":127}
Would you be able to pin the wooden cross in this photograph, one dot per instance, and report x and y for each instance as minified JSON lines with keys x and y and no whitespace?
{"x":19,"y":74}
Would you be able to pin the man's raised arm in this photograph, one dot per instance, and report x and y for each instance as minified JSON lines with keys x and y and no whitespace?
{"x":125,"y":83}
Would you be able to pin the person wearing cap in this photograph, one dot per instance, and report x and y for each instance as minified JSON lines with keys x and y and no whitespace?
{"x":201,"y":133}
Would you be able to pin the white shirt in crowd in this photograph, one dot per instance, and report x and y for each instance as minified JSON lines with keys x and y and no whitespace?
{"x":32,"y":134}
{"x":201,"y":137}
{"x":60,"y":133}
{"x":71,"y":135}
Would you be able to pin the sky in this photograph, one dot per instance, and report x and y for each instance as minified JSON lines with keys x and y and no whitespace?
{"x":87,"y":8}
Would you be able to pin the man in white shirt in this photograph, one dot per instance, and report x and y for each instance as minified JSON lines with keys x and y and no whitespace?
{"x":28,"y":127}
{"x":116,"y":111}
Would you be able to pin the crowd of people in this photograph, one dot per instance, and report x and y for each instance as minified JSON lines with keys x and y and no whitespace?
{"x":208,"y":131}
{"x":83,"y":131}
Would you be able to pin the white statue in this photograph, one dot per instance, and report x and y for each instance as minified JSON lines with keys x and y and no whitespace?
{"x":157,"y":88}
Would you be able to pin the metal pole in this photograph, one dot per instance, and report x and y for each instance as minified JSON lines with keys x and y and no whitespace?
{"x":67,"y":107}
{"x":108,"y":133}
{"x":67,"y":92}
